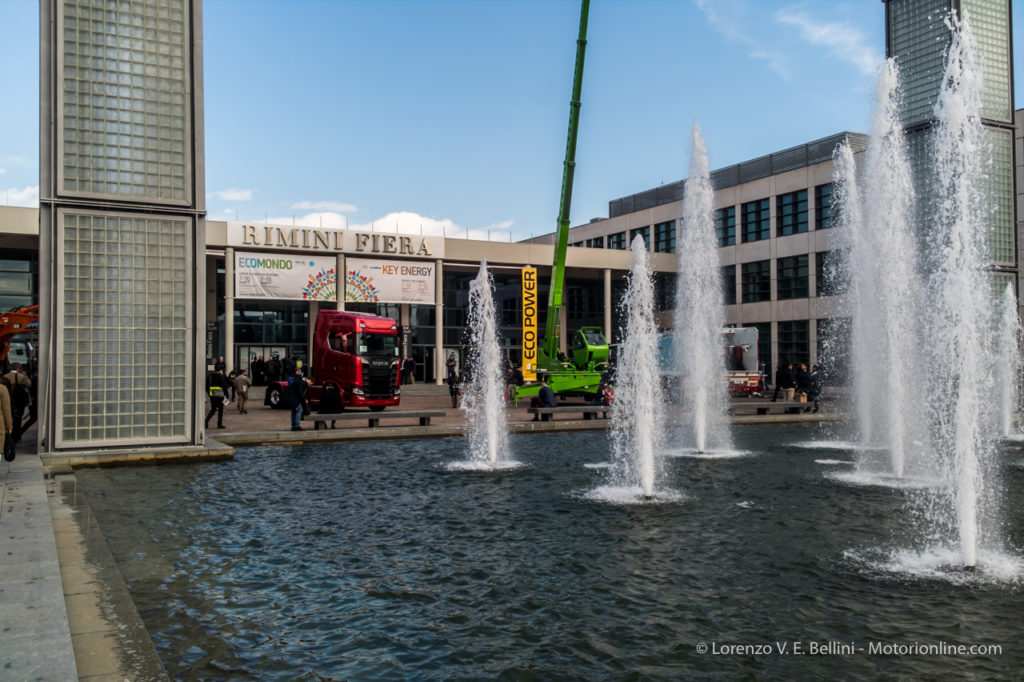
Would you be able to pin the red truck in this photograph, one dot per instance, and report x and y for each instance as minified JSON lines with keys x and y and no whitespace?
{"x":358,"y":353}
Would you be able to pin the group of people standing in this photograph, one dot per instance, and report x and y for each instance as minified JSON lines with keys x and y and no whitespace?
{"x":17,"y":396}
{"x":793,"y":382}
{"x":274,"y":369}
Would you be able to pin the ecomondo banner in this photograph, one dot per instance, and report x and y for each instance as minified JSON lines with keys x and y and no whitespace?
{"x":264,"y":275}
{"x":389,"y":281}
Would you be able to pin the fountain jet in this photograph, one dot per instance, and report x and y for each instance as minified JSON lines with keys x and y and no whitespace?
{"x":637,"y":420}
{"x":699,"y":313}
{"x":484,"y":402}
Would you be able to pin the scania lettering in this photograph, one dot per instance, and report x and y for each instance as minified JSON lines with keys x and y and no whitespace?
{"x":357,"y":353}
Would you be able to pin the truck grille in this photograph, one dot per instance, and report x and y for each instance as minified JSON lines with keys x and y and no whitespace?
{"x":379,"y":378}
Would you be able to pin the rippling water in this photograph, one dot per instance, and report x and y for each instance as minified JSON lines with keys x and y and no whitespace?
{"x":377,"y":561}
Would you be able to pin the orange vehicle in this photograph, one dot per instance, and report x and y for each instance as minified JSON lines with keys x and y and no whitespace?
{"x":15,"y":322}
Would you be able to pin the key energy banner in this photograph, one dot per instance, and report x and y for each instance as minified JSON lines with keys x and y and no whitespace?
{"x":389,"y":281}
{"x":529,"y":367}
{"x":265,"y":275}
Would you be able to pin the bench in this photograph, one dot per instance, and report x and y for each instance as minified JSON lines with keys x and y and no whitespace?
{"x":766,"y":406}
{"x":373,"y":417}
{"x":589,"y":411}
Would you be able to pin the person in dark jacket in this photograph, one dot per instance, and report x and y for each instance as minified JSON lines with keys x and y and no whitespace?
{"x":784,"y":380}
{"x":217,"y":387}
{"x":814,"y":392}
{"x":330,"y":403}
{"x":545,"y":398}
{"x":295,"y":394}
{"x":546,"y":395}
{"x":802,"y":380}
{"x":454,"y":390}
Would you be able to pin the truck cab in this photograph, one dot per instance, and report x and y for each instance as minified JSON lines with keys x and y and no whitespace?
{"x":356,"y":352}
{"x":361,"y":355}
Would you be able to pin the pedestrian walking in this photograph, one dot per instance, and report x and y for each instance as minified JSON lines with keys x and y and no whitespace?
{"x":6,"y":420}
{"x":454,"y":389}
{"x":814,"y":393}
{"x":242,"y":384}
{"x":217,"y":388}
{"x":20,"y":388}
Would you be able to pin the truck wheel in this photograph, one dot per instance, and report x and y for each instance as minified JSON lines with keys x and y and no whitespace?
{"x":274,"y":398}
{"x":377,"y":408}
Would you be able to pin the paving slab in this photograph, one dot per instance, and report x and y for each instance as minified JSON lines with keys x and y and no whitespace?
{"x":35,"y":638}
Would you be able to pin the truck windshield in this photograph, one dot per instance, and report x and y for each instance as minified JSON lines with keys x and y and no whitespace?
{"x":377,"y":345}
{"x":593,"y":337}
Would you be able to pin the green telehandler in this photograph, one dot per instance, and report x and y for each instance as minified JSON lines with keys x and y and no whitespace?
{"x":578,"y":374}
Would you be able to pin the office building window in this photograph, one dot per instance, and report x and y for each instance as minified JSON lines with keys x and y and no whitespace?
{"x":830,"y":273}
{"x":792,"y":277}
{"x":644,"y":232}
{"x":596,"y":243}
{"x":823,"y":207}
{"x":19,"y":278}
{"x":834,"y":350}
{"x":725,"y":225}
{"x":617,"y":241}
{"x":794,"y":342}
{"x":757,"y":281}
{"x":665,"y":237}
{"x":729,"y":285}
{"x":756,"y":220}
{"x":791,"y":213}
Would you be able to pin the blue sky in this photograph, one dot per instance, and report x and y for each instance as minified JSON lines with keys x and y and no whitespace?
{"x":451,"y":116}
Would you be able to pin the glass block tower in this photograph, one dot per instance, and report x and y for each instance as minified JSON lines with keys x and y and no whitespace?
{"x":122,"y":223}
{"x":917,"y":36}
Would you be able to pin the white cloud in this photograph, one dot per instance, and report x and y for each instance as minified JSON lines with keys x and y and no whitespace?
{"x":2,"y":171}
{"x":335,"y":206}
{"x":402,"y":222}
{"x":408,"y":222}
{"x":233,"y":194}
{"x":503,"y":225}
{"x":315,"y":219}
{"x":842,"y":41}
{"x":732,"y":20}
{"x":28,"y":196}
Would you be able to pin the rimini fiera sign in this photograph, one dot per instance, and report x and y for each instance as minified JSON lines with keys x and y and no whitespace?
{"x":327,"y":240}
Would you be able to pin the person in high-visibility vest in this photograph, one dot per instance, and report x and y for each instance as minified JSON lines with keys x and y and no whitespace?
{"x":217,"y":386}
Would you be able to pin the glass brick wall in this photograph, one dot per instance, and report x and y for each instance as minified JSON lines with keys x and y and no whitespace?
{"x":918,"y":37}
{"x":124,"y":336}
{"x":1000,"y":196}
{"x":989,"y":22}
{"x":123,"y":99}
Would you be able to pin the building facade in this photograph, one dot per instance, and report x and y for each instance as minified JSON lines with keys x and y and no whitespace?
{"x":434,"y":321}
{"x":774,"y":220}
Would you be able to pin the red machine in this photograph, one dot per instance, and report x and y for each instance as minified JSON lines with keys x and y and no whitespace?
{"x":15,"y":322}
{"x":358,"y":353}
{"x":743,"y":371}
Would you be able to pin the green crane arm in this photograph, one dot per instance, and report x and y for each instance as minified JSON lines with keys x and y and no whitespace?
{"x":549,"y":351}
